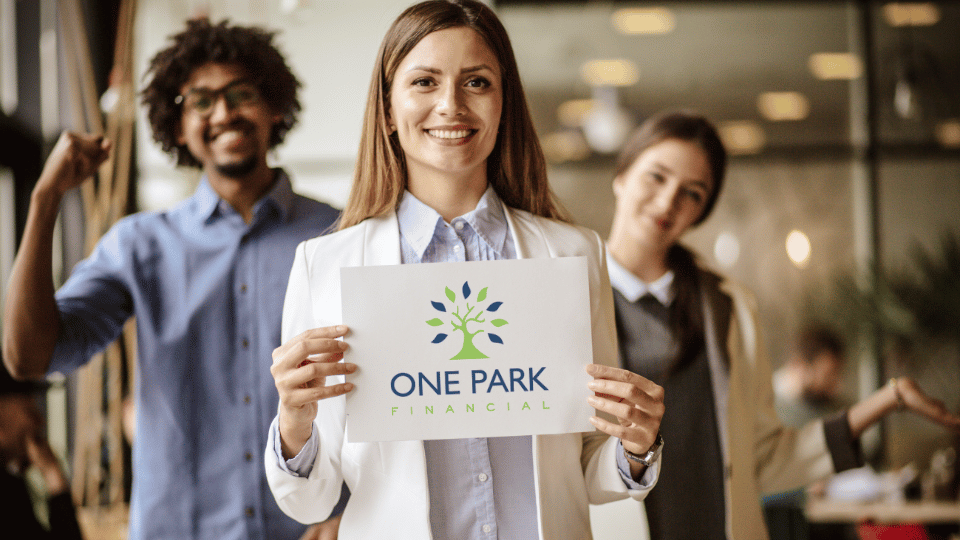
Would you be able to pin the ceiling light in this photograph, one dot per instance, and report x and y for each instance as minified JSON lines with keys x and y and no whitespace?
{"x":608,"y":124}
{"x":612,"y":72}
{"x":911,"y":13}
{"x":726,"y":249}
{"x":652,"y":20}
{"x":780,"y":106}
{"x":798,"y":248}
{"x":948,"y":133}
{"x":570,"y":113}
{"x":832,"y":66}
{"x":742,"y":137}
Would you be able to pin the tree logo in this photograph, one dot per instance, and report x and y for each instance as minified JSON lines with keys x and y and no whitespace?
{"x":459,"y":322}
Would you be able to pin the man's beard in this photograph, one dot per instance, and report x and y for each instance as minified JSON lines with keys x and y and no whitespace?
{"x":238,"y":169}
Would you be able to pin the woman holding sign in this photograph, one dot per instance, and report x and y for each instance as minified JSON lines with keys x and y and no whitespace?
{"x":449,"y":169}
{"x":696,"y":333}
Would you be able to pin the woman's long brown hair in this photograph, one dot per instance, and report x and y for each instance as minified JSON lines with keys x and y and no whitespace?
{"x":516,"y":168}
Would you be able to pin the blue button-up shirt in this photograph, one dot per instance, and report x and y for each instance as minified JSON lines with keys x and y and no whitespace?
{"x":207,"y":292}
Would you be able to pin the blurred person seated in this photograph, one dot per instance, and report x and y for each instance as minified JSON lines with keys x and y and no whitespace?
{"x":23,"y":445}
{"x":807,"y":386}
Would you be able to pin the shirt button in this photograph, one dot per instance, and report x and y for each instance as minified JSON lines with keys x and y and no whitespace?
{"x":483,"y":477}
{"x":246,"y":399}
{"x":456,"y":248}
{"x":248,"y":456}
{"x":486,"y":528}
{"x":243,"y":287}
{"x":248,"y":511}
{"x":458,"y":225}
{"x":244,"y":343}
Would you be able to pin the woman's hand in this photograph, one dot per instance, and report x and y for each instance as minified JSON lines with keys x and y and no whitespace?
{"x":300,"y":369}
{"x":907,"y":391}
{"x":636,"y":402}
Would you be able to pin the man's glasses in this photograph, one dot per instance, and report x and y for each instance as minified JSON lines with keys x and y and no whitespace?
{"x":201,"y":101}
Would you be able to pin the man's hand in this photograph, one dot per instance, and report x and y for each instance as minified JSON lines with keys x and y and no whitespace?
{"x":74,"y":158}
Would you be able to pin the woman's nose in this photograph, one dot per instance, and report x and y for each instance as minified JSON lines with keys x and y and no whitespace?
{"x":450,"y":101}
{"x":667,"y":197}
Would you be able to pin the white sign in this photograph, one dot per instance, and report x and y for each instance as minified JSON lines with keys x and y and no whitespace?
{"x":471,"y":349}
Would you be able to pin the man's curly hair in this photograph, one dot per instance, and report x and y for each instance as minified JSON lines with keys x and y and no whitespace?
{"x":202,"y":43}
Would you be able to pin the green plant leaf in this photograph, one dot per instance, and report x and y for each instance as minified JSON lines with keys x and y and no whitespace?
{"x":450,"y":295}
{"x":483,"y":295}
{"x":435,"y":322}
{"x":498,"y":322}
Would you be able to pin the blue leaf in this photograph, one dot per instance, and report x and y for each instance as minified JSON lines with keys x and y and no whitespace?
{"x":495,"y":338}
{"x":466,"y":290}
{"x":494,"y":306}
{"x":439,"y":338}
{"x":438,"y":306}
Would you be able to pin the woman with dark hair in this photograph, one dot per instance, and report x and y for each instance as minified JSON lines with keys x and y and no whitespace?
{"x":449,"y":170}
{"x":696,"y":334}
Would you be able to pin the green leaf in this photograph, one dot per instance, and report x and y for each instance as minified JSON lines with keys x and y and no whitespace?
{"x":498,"y":322}
{"x":451,"y":295}
{"x":435,"y":322}
{"x":483,"y":295}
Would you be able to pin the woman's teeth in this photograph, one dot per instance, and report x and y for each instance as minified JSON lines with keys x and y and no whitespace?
{"x":449,"y":133}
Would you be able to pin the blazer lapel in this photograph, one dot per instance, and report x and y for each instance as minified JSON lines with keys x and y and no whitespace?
{"x":381,"y":241}
{"x":528,"y":237}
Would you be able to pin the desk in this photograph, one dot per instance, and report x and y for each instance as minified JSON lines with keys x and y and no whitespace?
{"x":926,"y":512}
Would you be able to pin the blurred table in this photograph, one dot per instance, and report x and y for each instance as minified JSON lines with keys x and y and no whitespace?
{"x":927,"y":512}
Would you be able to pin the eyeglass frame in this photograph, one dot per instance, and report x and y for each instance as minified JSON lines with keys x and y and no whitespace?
{"x":222,"y":92}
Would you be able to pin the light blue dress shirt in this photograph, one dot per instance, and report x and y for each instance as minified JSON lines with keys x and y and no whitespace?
{"x":207,"y":291}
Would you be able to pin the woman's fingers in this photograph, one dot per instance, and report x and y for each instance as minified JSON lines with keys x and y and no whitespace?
{"x":301,"y":366}
{"x":635,"y":401}
{"x":918,"y":401}
{"x":312,"y":342}
{"x":620,"y":385}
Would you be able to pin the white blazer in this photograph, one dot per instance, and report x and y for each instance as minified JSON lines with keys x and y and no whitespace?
{"x":388,"y":480}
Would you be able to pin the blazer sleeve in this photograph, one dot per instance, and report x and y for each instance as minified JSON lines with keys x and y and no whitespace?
{"x":309,"y":499}
{"x":599,"y":454}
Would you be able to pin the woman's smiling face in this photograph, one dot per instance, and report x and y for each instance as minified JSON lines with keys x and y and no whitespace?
{"x":664,"y":192}
{"x":445,"y":103}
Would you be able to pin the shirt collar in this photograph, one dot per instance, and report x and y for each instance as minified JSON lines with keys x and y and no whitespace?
{"x":633,"y":288}
{"x":210,"y":205}
{"x":418,"y":222}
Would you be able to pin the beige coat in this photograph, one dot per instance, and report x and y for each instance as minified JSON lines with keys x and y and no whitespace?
{"x":763,"y":455}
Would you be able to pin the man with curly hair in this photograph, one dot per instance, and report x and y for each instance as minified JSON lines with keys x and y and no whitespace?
{"x":204,"y":279}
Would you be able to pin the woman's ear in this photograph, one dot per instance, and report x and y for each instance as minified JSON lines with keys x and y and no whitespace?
{"x":617,"y":185}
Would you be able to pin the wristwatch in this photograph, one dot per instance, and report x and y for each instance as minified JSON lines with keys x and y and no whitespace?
{"x":652,"y":455}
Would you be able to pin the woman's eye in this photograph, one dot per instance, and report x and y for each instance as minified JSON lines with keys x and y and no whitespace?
{"x":656,"y":177}
{"x":695,"y":196}
{"x":422,"y":82}
{"x":478,"y":82}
